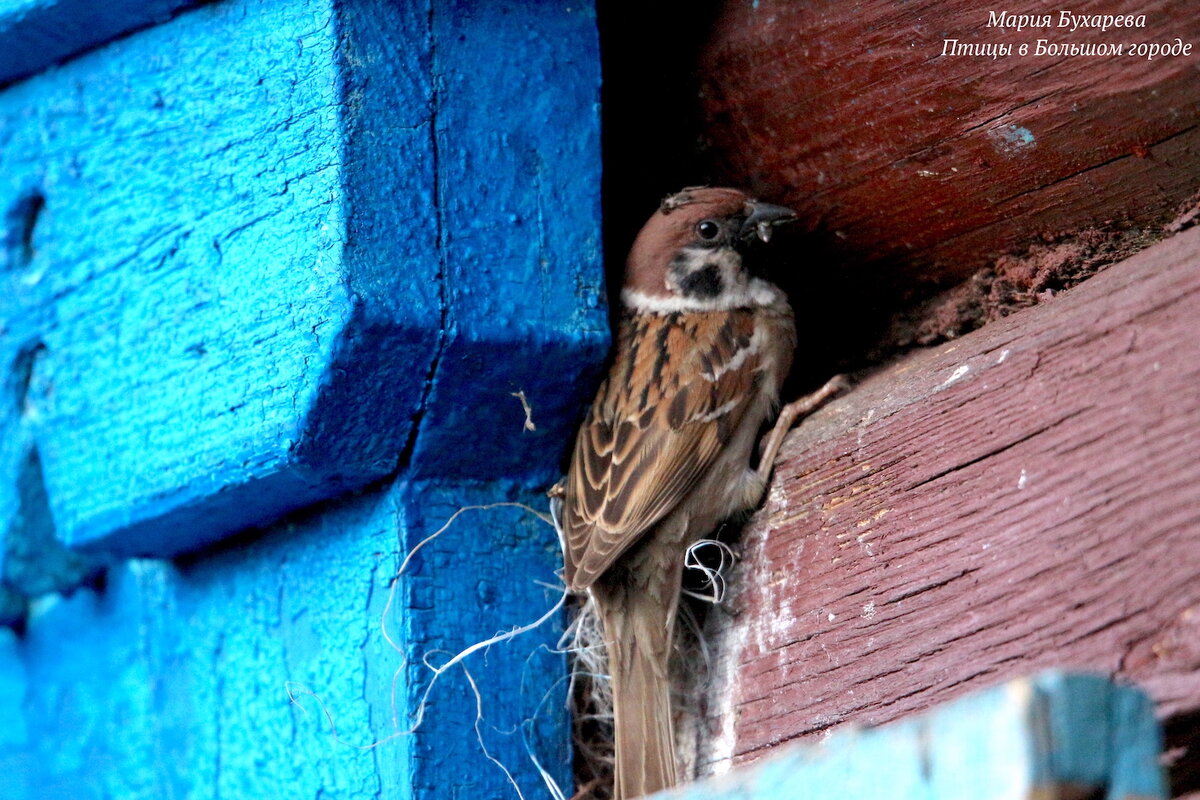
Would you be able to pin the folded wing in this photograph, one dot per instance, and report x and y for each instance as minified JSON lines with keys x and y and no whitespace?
{"x":659,"y":422}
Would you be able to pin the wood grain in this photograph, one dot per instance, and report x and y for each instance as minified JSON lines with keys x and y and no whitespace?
{"x":211,"y":676}
{"x":254,"y":288}
{"x":931,"y":165}
{"x":1026,"y":497}
{"x":38,"y":33}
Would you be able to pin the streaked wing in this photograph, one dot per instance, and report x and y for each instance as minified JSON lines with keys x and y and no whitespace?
{"x":676,"y":394}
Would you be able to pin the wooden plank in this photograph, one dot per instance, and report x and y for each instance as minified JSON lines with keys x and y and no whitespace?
{"x":1053,"y":736}
{"x":250,"y":288}
{"x":1026,"y":497}
{"x":932,"y":165}
{"x":493,"y":571}
{"x":184,"y":278}
{"x":173,"y":679}
{"x":519,"y":211}
{"x":38,"y":33}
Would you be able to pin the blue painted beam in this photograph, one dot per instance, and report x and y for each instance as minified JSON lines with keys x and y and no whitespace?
{"x":260,"y":286}
{"x":173,"y":679}
{"x":259,"y":257}
{"x":519,"y":188}
{"x":185,"y":276}
{"x":491,"y":572}
{"x":38,"y":33}
{"x":1054,"y":735}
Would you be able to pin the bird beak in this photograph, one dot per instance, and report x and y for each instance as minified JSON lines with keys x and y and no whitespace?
{"x":763,"y":216}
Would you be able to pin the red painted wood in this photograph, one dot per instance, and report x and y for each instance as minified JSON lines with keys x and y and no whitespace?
{"x":1025,"y":497}
{"x":932,"y":165}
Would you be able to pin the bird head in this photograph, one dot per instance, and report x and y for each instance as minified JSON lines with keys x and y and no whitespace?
{"x":690,"y":254}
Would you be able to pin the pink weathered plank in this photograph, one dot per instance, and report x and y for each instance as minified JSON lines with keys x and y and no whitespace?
{"x":1025,"y":497}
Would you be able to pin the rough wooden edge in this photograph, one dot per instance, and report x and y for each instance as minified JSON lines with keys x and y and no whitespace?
{"x":37,"y":33}
{"x":1052,"y":736}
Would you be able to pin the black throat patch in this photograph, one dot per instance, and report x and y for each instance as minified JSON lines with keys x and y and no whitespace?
{"x":704,"y":283}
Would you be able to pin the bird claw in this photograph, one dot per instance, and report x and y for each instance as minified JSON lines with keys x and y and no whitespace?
{"x":811,"y":402}
{"x":836,"y":385}
{"x":793,"y":412}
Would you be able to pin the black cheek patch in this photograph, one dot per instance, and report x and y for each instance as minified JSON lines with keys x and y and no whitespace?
{"x":703,"y":283}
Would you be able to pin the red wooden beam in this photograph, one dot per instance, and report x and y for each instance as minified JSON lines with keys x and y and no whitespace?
{"x":1025,"y":497}
{"x":931,"y":164}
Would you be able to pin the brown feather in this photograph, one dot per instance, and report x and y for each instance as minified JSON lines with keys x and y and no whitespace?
{"x":623,"y":483}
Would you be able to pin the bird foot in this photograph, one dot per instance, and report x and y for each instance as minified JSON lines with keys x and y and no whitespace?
{"x":790,"y":414}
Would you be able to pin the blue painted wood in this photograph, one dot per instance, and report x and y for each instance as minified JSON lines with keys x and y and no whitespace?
{"x":17,"y":763}
{"x":185,"y":270}
{"x":32,"y":560}
{"x":1027,"y":739}
{"x":173,"y":680}
{"x":256,"y":284}
{"x":519,"y":191}
{"x":257,"y":259}
{"x":12,"y":606}
{"x":1109,"y":736}
{"x":37,"y":33}
{"x":491,"y":572}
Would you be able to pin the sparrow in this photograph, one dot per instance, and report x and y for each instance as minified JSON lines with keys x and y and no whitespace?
{"x":664,"y":454}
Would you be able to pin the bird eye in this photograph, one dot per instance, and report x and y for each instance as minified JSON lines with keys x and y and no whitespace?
{"x":708,"y":229}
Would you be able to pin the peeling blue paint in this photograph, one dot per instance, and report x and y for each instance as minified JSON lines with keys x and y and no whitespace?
{"x":1011,"y":139}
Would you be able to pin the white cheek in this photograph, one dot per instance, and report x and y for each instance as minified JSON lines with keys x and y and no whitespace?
{"x":733,"y":276}
{"x":738,"y":289}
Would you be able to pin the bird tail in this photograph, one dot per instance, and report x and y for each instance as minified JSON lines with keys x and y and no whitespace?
{"x":639,"y":640}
